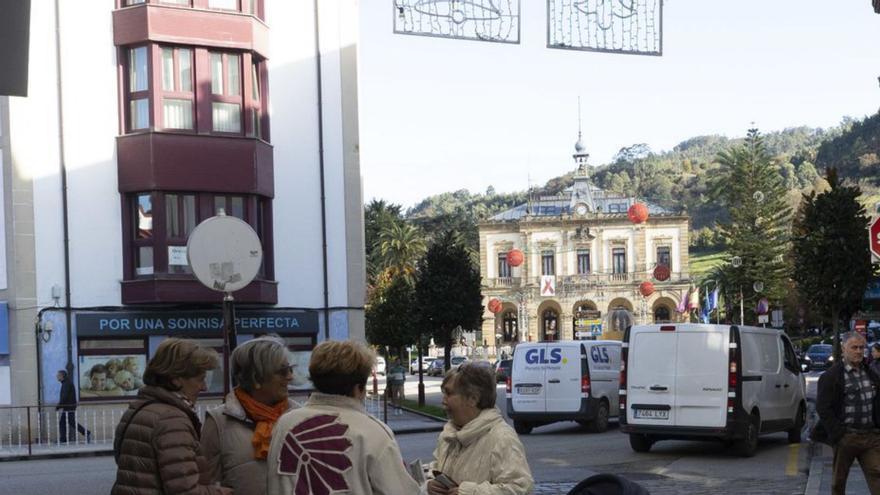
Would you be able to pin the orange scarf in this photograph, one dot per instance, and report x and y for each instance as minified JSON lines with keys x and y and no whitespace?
{"x":265,"y":417}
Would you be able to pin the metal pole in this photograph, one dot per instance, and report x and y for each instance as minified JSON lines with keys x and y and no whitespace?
{"x":30,"y":449}
{"x":421,"y":374}
{"x":741,"y":310}
{"x":229,"y":338}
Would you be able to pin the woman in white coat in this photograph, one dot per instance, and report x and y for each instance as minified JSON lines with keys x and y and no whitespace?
{"x":478,"y":453}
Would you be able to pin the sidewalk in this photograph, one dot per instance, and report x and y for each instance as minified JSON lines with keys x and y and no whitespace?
{"x":819,"y":481}
{"x":403,"y":423}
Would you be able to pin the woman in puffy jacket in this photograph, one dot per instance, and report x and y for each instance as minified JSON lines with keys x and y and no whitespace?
{"x":478,"y":453}
{"x":157,"y":440}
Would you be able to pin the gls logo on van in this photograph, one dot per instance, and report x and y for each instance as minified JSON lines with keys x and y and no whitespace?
{"x":600,"y":354}
{"x":537,"y":356}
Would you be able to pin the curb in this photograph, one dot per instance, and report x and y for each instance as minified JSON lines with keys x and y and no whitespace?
{"x":817,"y":466}
{"x":56,"y":455}
{"x":424,"y":414}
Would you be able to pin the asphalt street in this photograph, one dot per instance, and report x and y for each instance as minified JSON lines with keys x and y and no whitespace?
{"x":559,"y":455}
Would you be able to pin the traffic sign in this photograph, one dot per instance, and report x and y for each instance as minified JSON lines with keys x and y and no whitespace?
{"x":874,"y":231}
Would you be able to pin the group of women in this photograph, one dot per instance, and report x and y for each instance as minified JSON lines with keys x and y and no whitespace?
{"x":259,"y":442}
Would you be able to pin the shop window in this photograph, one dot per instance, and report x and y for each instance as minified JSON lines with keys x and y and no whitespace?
{"x":111,"y":368}
{"x":138,"y":88}
{"x":214,"y":378}
{"x":299,"y":355}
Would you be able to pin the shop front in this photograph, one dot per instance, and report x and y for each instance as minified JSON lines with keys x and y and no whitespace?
{"x":110,"y":349}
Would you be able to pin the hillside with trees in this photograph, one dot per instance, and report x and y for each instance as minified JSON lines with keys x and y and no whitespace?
{"x":682,"y":178}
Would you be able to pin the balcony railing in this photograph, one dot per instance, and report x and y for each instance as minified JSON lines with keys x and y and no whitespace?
{"x":503,"y":282}
{"x":585,"y":281}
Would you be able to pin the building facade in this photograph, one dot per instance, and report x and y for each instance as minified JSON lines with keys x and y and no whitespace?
{"x":143,"y":119}
{"x":582,"y":257}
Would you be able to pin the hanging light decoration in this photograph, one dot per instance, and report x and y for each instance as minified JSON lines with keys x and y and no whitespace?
{"x":494,"y":305}
{"x":661,"y":273}
{"x":515,"y":257}
{"x":637,"y":213}
{"x":646,"y":288}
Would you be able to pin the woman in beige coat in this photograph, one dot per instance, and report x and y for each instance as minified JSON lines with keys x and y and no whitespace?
{"x":236,"y":435}
{"x":478,"y":452}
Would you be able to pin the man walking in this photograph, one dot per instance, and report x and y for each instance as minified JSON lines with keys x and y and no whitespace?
{"x":67,"y":406}
{"x":848,"y":404}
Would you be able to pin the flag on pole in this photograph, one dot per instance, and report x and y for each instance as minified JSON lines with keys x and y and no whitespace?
{"x":694,"y":300}
{"x":682,"y":305}
{"x":712,"y":300}
{"x":704,"y":316}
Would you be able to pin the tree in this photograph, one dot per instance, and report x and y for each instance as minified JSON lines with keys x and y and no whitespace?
{"x":448,"y":291}
{"x":391,"y":318}
{"x":831,"y":253}
{"x":750,"y":188}
{"x":378,"y":216}
{"x":400,"y":247}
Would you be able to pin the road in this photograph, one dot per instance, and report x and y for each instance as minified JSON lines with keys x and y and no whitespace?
{"x":559,"y":455}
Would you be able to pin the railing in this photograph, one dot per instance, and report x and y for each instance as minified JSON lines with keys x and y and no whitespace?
{"x":503,"y":282}
{"x":30,"y":430}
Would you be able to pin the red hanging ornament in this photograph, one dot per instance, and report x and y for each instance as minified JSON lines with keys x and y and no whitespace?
{"x":494,"y":305}
{"x":637,"y":213}
{"x":661,"y":273}
{"x":515,"y":257}
{"x":646,"y":288}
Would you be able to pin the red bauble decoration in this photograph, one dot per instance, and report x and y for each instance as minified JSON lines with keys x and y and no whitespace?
{"x":637,"y":213}
{"x":494,"y":305}
{"x":515,"y":257}
{"x":661,"y":273}
{"x":646,"y":288}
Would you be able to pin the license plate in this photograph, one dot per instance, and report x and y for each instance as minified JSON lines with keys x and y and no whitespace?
{"x":651,"y":413}
{"x":528,"y":390}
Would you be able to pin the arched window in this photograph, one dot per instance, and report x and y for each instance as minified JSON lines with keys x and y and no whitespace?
{"x":509,"y":327}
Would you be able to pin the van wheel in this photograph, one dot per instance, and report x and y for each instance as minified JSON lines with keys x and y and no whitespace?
{"x":522,"y":427}
{"x":794,"y":434}
{"x":600,"y":422}
{"x":746,"y":447}
{"x":640,"y":443}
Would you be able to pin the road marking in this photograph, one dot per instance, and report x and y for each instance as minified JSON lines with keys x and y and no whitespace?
{"x":791,"y":466}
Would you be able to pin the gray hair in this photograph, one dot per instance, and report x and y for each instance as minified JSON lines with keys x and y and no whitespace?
{"x":475,"y":381}
{"x":850,"y":335}
{"x":256,"y":361}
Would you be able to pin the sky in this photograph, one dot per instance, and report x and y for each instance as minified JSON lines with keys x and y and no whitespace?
{"x":438,"y":115}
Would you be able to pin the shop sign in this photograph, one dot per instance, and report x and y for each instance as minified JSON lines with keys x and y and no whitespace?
{"x":137,"y":323}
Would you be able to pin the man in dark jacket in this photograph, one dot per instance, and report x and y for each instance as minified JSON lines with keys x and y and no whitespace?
{"x":848,"y":404}
{"x":67,"y":406}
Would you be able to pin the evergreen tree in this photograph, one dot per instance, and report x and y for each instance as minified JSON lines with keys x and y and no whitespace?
{"x":391,"y":318}
{"x":831,"y":253}
{"x":758,"y":231}
{"x":448,"y":291}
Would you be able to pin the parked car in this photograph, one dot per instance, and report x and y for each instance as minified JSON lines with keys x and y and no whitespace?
{"x":819,"y":356}
{"x":426,"y":363}
{"x":436,"y":367}
{"x":380,"y":365}
{"x":722,"y":382}
{"x":502,"y":369}
{"x":457,"y":361}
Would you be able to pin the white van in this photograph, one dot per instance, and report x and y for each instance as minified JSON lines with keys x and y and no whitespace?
{"x":563,"y":381}
{"x":703,"y":382}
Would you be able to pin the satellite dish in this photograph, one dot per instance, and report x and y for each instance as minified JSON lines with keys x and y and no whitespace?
{"x":224,"y":253}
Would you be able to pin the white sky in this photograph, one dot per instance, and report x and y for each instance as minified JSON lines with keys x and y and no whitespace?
{"x":440,"y":114}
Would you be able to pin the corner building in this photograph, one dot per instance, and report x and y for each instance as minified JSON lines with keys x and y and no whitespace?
{"x":143,"y":119}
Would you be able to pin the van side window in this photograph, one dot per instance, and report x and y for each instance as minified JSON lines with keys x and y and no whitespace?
{"x":791,"y":360}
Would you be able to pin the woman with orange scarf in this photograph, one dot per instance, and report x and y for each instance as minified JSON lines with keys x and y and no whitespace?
{"x":236,"y":435}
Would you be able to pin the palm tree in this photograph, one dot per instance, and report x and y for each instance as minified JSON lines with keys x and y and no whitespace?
{"x":401,"y":245}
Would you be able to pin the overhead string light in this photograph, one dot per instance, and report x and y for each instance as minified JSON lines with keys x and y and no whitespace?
{"x":481,"y":20}
{"x":622,"y":26}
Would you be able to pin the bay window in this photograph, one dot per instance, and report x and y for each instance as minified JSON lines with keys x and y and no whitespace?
{"x":225,"y":92}
{"x":138,"y":88}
